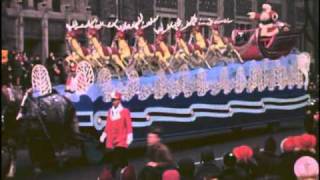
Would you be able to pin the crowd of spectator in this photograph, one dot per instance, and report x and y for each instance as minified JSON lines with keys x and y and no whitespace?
{"x":17,"y":70}
{"x":298,"y":159}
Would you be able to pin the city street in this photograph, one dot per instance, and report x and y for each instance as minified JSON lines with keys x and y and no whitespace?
{"x":221,"y":144}
{"x":145,"y":89}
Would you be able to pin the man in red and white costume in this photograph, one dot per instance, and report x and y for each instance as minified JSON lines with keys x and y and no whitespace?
{"x":117,"y":133}
{"x":267,"y":20}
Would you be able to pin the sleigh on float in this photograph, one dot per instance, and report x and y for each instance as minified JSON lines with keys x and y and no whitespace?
{"x":258,"y":47}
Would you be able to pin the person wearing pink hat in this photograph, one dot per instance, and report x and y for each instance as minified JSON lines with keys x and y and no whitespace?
{"x":306,"y":168}
{"x":117,"y":134}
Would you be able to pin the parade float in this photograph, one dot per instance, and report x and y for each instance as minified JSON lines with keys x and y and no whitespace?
{"x":255,"y":77}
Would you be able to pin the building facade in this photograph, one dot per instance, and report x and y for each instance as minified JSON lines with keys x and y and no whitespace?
{"x":38,"y":26}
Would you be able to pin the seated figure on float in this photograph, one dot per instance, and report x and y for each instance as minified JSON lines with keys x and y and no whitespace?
{"x":77,"y":52}
{"x":109,"y":55}
{"x":199,"y":44}
{"x":216,"y":42}
{"x":144,"y":50}
{"x":268,"y":26}
{"x":220,"y":46}
{"x":124,"y":49}
{"x":163,"y":53}
{"x":183,"y":51}
{"x":271,"y":39}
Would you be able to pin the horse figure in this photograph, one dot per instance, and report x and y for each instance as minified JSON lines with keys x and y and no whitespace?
{"x":183,"y":51}
{"x":119,"y":41}
{"x":219,"y":47}
{"x":163,"y":53}
{"x":77,"y":53}
{"x":109,"y":55}
{"x":145,"y":52}
{"x":47,"y":124}
{"x":200,"y":45}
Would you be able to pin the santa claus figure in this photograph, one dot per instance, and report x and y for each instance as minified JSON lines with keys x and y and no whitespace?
{"x":117,"y":133}
{"x":267,"y":21}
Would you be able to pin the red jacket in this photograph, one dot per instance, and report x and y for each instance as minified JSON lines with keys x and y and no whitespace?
{"x":117,"y":130}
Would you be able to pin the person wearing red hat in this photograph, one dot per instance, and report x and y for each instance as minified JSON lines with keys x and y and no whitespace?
{"x":287,"y":144}
{"x":244,"y":156}
{"x":243,"y":153}
{"x":308,"y":142}
{"x":288,"y":157}
{"x":171,"y":174}
{"x":307,"y":145}
{"x":117,"y":134}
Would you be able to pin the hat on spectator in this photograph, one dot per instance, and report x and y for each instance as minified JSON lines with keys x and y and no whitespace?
{"x":243,"y":153}
{"x":287,"y":144}
{"x":306,"y":167}
{"x":171,"y":174}
{"x":116,"y":95}
{"x":308,"y":141}
{"x":155,"y":130}
{"x":298,"y":145}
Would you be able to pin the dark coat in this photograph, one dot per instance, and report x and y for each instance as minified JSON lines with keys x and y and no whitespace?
{"x":207,"y":170}
{"x":287,"y":164}
{"x":233,"y":173}
{"x":160,"y":153}
{"x":268,"y":164}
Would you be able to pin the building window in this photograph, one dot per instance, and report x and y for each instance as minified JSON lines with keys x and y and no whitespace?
{"x":243,"y":25}
{"x":56,"y":5}
{"x":95,"y":7}
{"x":300,"y":15}
{"x":25,"y":4}
{"x":243,"y":7}
{"x":208,"y":5}
{"x":167,"y":4}
{"x":206,"y":32}
{"x":35,"y":3}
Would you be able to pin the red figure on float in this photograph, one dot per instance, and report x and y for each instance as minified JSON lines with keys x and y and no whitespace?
{"x":71,"y":80}
{"x":117,"y":133}
{"x":267,"y":20}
